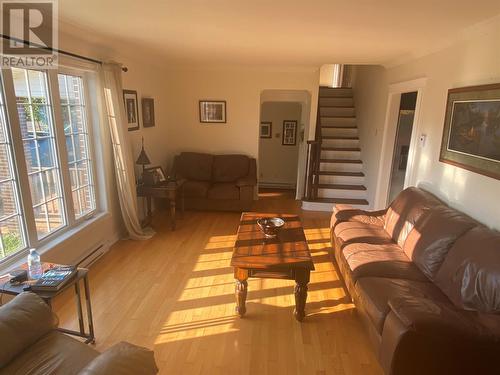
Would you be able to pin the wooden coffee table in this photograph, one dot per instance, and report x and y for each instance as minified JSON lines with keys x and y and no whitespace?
{"x":285,"y":257}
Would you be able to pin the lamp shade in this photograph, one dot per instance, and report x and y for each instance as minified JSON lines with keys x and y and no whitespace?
{"x":143,"y":157}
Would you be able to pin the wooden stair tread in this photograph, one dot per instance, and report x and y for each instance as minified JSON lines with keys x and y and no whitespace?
{"x":341,"y":148}
{"x":348,"y":161}
{"x":322,"y":116}
{"x":340,"y":174}
{"x":361,"y":202}
{"x":336,"y":106}
{"x":340,"y":186}
{"x":340,"y":137}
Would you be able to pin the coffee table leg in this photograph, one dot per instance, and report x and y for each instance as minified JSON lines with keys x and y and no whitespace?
{"x":241,"y":277}
{"x":301,"y":280}
{"x":172,"y":213}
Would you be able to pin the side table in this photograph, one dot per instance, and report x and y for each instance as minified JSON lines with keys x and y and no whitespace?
{"x":47,"y":296}
{"x":171,"y":190}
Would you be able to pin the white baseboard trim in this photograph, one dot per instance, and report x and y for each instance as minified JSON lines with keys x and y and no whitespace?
{"x":317,"y":206}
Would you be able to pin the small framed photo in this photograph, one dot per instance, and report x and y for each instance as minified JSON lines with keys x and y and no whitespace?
{"x":148,"y":112}
{"x":289,"y":133}
{"x":154,"y":176}
{"x":131,"y":109}
{"x":266,"y":129}
{"x":213,"y":111}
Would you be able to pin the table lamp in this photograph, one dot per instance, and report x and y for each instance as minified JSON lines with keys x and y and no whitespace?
{"x":143,"y":158}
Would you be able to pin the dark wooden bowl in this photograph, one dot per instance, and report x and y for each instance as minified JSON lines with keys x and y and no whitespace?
{"x":270,"y":226}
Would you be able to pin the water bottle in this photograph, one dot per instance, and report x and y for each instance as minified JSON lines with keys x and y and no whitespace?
{"x":34,"y":266}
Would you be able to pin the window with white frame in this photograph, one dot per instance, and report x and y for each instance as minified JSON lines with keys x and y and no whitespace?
{"x":47,"y":182}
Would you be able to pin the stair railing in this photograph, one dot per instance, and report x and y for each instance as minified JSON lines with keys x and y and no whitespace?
{"x":313,"y":159}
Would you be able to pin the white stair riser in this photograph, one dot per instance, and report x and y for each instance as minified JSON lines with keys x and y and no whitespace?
{"x":341,"y":167}
{"x":340,"y":193}
{"x":347,"y":155}
{"x":340,"y":102}
{"x":345,"y":180}
{"x":328,"y":93}
{"x":332,"y":121}
{"x":336,"y":112}
{"x":340,"y":143}
{"x":339,"y":132}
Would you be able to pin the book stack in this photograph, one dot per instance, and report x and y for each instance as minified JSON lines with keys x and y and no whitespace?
{"x":54,"y":278}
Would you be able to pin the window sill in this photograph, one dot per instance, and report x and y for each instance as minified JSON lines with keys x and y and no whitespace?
{"x":17,"y":260}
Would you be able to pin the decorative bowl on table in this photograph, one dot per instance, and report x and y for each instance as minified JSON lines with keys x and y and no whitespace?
{"x":270,"y":226}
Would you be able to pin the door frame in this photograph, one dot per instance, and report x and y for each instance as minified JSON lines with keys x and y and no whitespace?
{"x":304,"y":98}
{"x":389,"y":133}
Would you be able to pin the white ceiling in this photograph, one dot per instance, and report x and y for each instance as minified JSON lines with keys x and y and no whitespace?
{"x":280,"y":32}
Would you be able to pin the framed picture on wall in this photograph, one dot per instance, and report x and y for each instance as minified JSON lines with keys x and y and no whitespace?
{"x":131,"y":109}
{"x":471,"y":134}
{"x":266,"y":129}
{"x":148,"y":112}
{"x":213,"y":111}
{"x":289,"y":133}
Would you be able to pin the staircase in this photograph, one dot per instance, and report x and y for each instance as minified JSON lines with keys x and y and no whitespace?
{"x":335,"y":169}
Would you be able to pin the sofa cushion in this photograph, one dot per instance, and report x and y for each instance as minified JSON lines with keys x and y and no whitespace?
{"x":55,"y":353}
{"x":23,"y":321}
{"x":432,"y":237}
{"x":196,"y":189}
{"x":229,"y":168}
{"x":194,"y":166}
{"x":122,"y":359}
{"x":380,"y":260}
{"x":224,"y":191}
{"x":355,"y":231}
{"x":405,"y":210}
{"x":470,"y":273}
{"x":374,"y":293}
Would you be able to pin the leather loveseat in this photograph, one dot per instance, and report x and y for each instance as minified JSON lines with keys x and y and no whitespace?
{"x":31,"y":344}
{"x":217,"y":182}
{"x":425,"y":279}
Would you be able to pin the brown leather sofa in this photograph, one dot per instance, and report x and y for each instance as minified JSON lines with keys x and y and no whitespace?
{"x":217,"y":182}
{"x":425,"y":279}
{"x":31,"y":344}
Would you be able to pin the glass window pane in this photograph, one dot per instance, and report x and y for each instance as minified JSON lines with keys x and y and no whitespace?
{"x":8,"y":204}
{"x":83,"y":175}
{"x":11,"y":237}
{"x":31,"y":155}
{"x":5,"y":172}
{"x":36,"y":187}
{"x":41,"y":220}
{"x":55,"y":215}
{"x":38,"y":86}
{"x":70,"y":149}
{"x":77,"y":120}
{"x":77,"y":143}
{"x":35,"y":115}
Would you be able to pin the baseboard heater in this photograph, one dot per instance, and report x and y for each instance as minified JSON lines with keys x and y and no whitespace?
{"x":277,"y":185}
{"x":93,"y":256}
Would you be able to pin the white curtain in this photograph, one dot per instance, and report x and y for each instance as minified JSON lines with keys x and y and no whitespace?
{"x":111,"y":77}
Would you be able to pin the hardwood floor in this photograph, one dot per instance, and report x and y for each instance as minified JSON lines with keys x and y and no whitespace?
{"x":175,"y":295}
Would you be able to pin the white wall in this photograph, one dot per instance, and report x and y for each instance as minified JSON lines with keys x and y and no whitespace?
{"x":473,"y":61}
{"x":241,"y":88}
{"x":278,"y":163}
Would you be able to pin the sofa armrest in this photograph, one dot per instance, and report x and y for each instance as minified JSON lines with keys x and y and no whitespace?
{"x":251,"y":178}
{"x":23,"y":321}
{"x":424,"y":336}
{"x":122,"y":359}
{"x":343,"y":213}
